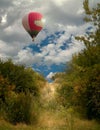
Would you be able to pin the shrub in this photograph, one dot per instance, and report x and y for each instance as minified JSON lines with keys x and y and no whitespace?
{"x":19,"y":108}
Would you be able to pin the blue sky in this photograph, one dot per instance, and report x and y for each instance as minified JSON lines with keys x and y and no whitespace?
{"x":54,"y":45}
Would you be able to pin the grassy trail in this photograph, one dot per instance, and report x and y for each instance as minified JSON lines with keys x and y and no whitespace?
{"x":53,"y":117}
{"x":53,"y":121}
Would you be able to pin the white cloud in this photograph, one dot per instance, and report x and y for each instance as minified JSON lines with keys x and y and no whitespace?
{"x":50,"y":75}
{"x":58,"y":56}
{"x":26,"y":57}
{"x":60,"y":15}
{"x":8,"y":50}
{"x":4,"y":19}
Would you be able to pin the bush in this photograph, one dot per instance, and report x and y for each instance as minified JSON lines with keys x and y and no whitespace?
{"x":19,"y":108}
{"x":21,"y":77}
{"x":5,"y":89}
{"x":19,"y":92}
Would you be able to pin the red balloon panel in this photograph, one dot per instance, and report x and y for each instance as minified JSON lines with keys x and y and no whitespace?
{"x":32,"y":17}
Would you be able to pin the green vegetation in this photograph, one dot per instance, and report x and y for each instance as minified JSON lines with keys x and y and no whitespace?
{"x":53,"y":117}
{"x":71,"y":102}
{"x":80,"y":87}
{"x":19,"y":93}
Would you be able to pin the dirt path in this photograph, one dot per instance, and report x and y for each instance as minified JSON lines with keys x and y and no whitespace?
{"x":48,"y":91}
{"x":52,"y":121}
{"x":51,"y":117}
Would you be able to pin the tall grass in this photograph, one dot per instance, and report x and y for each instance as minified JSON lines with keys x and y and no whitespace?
{"x":58,"y":119}
{"x":49,"y":115}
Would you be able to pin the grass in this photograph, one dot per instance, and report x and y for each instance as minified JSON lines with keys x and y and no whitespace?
{"x":54,"y":120}
{"x":53,"y":117}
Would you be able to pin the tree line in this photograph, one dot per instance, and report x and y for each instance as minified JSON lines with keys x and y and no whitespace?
{"x":80,"y":83}
{"x":19,"y":92}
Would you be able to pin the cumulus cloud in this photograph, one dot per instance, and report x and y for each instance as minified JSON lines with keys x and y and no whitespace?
{"x":50,"y":75}
{"x":61,"y":16}
{"x":26,"y":57}
{"x":53,"y":54}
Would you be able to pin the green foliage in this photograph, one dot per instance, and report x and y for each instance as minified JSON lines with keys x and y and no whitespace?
{"x":92,"y":15}
{"x":19,"y":87}
{"x":65,"y":94}
{"x":87,"y":90}
{"x":82,"y":79}
{"x":22,"y":78}
{"x":87,"y":65}
{"x":5,"y":89}
{"x":86,"y":7}
{"x":18,"y":108}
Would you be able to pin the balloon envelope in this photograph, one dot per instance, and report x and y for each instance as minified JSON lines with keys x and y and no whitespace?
{"x":33,"y":23}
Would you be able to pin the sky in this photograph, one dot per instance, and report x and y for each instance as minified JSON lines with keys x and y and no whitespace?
{"x":54,"y":45}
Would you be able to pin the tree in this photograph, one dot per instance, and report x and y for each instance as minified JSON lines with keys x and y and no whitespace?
{"x":5,"y":89}
{"x":87,"y":65}
{"x":83,"y":74}
{"x":22,"y":78}
{"x":19,"y":92}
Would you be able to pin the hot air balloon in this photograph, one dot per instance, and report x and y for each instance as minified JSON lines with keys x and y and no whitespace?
{"x":33,"y":23}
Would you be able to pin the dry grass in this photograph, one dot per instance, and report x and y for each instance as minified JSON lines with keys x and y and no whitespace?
{"x":53,"y":121}
{"x":52,"y":118}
